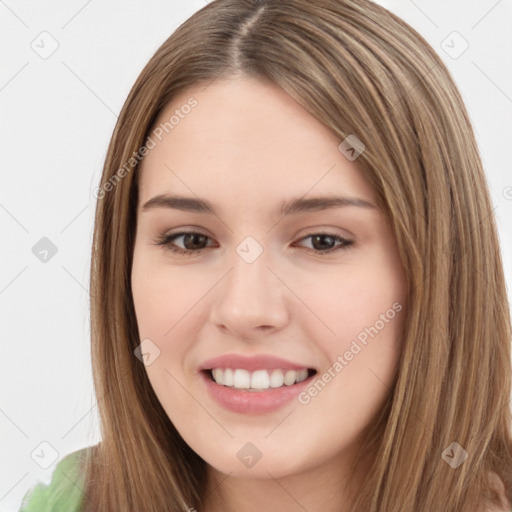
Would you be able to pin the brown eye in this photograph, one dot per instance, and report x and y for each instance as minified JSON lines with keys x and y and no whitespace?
{"x":325,"y":243}
{"x":193,"y":242}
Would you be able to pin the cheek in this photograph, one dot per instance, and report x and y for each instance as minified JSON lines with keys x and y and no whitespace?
{"x":162,"y":296}
{"x":169,"y":313}
{"x":158,"y":308}
{"x":160,"y":302}
{"x":362,"y":312}
{"x":354,"y":298}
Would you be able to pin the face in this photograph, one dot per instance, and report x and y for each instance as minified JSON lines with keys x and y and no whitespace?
{"x":319,"y":286}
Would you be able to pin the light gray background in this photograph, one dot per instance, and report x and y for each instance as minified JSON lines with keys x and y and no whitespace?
{"x":58,"y":114}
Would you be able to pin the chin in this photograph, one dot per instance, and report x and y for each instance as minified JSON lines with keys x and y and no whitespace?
{"x":266,"y":467}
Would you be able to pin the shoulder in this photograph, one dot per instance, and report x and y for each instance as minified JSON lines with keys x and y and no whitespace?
{"x":64,"y":492}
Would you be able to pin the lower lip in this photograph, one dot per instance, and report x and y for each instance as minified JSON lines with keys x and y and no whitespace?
{"x":253,"y":402}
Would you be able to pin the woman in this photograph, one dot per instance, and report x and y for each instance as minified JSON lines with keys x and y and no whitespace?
{"x":240,"y":363}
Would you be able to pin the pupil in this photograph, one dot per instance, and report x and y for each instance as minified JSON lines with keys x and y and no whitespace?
{"x":316,"y":238}
{"x":194,"y":237}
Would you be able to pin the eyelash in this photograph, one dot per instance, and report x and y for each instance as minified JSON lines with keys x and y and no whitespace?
{"x":165,"y":242}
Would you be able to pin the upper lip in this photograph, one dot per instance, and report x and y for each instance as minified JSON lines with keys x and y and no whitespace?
{"x":250,"y":363}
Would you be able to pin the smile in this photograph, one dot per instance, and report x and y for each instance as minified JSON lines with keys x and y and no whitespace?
{"x":255,"y":401}
{"x":259,"y":380}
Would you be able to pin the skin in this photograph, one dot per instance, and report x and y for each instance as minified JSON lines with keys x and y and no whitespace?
{"x":246,"y":147}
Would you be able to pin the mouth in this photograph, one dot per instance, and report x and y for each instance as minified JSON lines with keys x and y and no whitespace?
{"x":261,"y":391}
{"x":262,"y":380}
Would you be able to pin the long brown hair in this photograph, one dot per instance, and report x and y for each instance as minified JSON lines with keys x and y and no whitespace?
{"x":360,"y":70}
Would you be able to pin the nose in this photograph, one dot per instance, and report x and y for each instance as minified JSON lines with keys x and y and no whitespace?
{"x":250,"y":300}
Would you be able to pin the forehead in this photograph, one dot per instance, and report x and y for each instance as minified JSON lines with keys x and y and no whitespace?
{"x":244,"y":137}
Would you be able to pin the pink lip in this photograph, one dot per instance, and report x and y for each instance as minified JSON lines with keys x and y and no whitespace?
{"x":252,"y":402}
{"x":250,"y":363}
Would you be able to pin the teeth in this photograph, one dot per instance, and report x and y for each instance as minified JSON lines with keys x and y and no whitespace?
{"x":228,"y":377}
{"x":259,"y":379}
{"x":276,"y":379}
{"x":242,"y":379}
{"x":289,"y":377}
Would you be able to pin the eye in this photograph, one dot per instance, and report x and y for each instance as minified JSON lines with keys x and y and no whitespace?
{"x":322,"y":243}
{"x":191,"y":240}
{"x":319,"y":240}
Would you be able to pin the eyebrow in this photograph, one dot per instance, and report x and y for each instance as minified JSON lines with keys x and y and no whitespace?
{"x":289,"y":207}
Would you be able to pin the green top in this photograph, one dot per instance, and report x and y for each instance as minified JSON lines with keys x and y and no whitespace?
{"x":64,"y":491}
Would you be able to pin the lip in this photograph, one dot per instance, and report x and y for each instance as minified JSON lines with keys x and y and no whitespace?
{"x":252,"y":402}
{"x":251,"y":363}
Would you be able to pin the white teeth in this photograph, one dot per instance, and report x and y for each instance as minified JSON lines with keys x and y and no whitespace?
{"x":289,"y":377}
{"x":242,"y":379}
{"x":276,"y":379}
{"x":259,"y":379}
{"x":217,"y":374}
{"x":228,"y":377}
